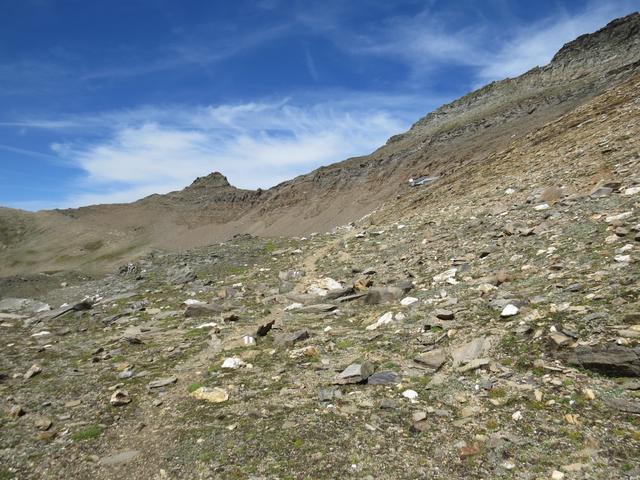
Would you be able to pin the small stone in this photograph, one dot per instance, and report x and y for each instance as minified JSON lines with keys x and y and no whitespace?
{"x":356,"y":373}
{"x":120,"y":398}
{"x":517,"y":415}
{"x":557,"y":475}
{"x":289,"y":340}
{"x":43,"y":423}
{"x":406,"y":301}
{"x":233,"y":363}
{"x":620,"y":216}
{"x":444,"y":314}
{"x":560,"y":339}
{"x":32,"y":372}
{"x":433,"y":359}
{"x":383,"y":378}
{"x":213,"y":395}
{"x":383,"y":320}
{"x":163,"y":382}
{"x":601,"y":192}
{"x":410,"y":394}
{"x":16,"y":411}
{"x":419,"y":416}
{"x":509,"y":311}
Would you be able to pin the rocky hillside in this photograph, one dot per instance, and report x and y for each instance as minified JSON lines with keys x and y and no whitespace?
{"x":469,"y":130}
{"x":484,"y":326}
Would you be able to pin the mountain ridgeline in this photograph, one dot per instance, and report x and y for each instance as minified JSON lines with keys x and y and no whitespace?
{"x":454,"y":137}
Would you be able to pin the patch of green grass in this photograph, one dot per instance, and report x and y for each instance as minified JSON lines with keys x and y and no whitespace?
{"x":196,"y":332}
{"x":497,"y":393}
{"x":270,"y":247}
{"x":194,"y":386}
{"x":88,"y":433}
{"x":344,"y":343}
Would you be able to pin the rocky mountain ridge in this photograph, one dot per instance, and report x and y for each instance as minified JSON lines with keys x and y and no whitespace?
{"x":467,"y":130}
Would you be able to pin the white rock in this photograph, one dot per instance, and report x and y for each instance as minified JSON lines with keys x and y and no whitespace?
{"x":612,"y":238}
{"x":446,"y":276}
{"x":509,"y":191}
{"x":509,"y":311}
{"x":620,"y":216}
{"x":233,"y":363}
{"x":208,"y":325}
{"x":406,"y":301}
{"x":41,"y":334}
{"x":293,"y":306}
{"x":542,"y":206}
{"x":383,"y":320}
{"x":622,"y":258}
{"x":317,"y":290}
{"x":517,"y":415}
{"x":632,"y":190}
{"x":410,"y":394}
{"x":193,"y":301}
{"x":557,"y":475}
{"x":249,"y":340}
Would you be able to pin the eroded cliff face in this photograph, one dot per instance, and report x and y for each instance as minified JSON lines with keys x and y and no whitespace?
{"x":468,"y":130}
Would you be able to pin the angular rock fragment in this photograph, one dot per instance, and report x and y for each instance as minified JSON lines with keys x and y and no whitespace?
{"x":119,"y":398}
{"x":476,"y":348}
{"x":612,"y":360}
{"x":213,"y":395}
{"x":356,"y":373}
{"x":383,"y":378}
{"x":290,"y":339}
{"x":433,"y":359}
{"x":163,"y":382}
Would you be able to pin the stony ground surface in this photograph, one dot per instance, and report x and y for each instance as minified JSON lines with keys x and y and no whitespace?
{"x":484,"y":326}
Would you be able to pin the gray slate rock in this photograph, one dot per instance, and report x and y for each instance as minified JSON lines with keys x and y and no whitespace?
{"x":433,"y":359}
{"x":290,"y":339}
{"x":356,"y":373}
{"x":612,"y":360}
{"x":163,"y":382}
{"x":383,"y":378}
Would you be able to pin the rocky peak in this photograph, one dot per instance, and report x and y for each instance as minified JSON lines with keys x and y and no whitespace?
{"x":213,"y":180}
{"x":620,"y":33}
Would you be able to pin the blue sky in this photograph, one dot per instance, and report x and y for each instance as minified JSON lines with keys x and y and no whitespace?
{"x":112,"y":101}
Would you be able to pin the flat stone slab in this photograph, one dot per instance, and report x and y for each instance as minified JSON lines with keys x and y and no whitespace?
{"x":162,"y":382}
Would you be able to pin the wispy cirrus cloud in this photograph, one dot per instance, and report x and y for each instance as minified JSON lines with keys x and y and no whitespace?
{"x":432,"y":40}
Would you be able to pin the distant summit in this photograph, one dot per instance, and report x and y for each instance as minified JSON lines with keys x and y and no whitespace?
{"x":213,"y":180}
